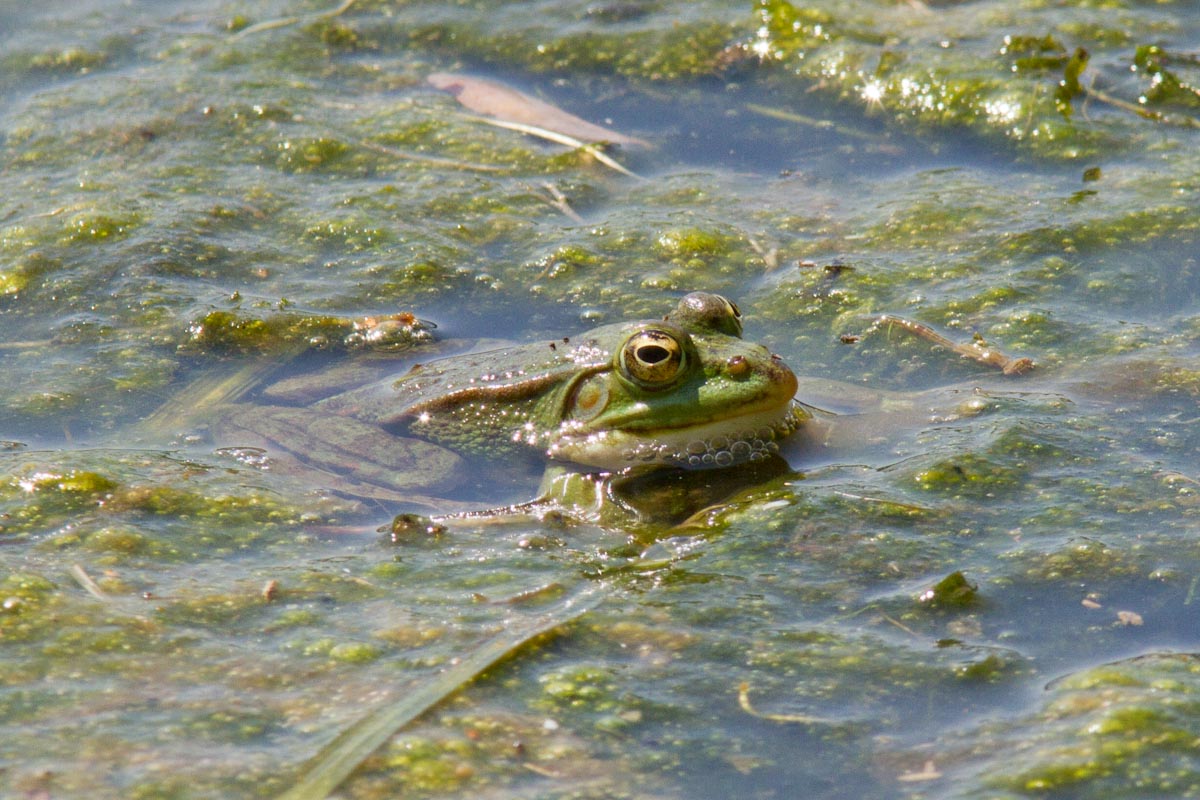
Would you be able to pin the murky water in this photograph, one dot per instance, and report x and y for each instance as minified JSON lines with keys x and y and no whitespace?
{"x":983,"y":585}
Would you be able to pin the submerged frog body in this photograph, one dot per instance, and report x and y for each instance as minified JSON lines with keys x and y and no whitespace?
{"x":685,"y":391}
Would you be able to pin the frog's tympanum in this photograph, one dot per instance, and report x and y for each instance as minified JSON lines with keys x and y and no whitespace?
{"x":685,"y":392}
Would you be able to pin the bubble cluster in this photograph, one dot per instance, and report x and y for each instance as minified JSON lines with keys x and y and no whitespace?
{"x":724,"y":450}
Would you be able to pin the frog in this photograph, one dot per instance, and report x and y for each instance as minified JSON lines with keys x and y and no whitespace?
{"x":683,"y":393}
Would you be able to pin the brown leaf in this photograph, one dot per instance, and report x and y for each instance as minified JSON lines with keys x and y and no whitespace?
{"x":494,"y":99}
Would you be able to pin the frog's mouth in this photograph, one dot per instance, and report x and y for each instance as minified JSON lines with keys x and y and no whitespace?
{"x":713,"y":445}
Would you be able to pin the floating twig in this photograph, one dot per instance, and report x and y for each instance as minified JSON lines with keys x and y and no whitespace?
{"x":893,"y":621}
{"x":435,"y":161}
{"x":559,"y":138}
{"x":559,"y":201}
{"x":1146,"y":113}
{"x":90,"y":586}
{"x":977,"y":350}
{"x":811,"y":122}
{"x":769,"y":253}
{"x":804,"y":719}
{"x":283,"y":22}
{"x":119,"y":605}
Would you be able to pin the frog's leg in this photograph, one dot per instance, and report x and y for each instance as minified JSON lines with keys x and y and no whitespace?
{"x":196,"y":402}
{"x":343,"y":454}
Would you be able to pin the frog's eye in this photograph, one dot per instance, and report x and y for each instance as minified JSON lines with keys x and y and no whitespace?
{"x":709,"y":313}
{"x":652,"y":358}
{"x":733,"y":309}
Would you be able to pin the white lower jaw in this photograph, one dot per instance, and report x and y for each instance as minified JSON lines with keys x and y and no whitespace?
{"x":725,"y":443}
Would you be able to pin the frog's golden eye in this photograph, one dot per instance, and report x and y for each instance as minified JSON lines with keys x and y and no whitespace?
{"x":652,"y":358}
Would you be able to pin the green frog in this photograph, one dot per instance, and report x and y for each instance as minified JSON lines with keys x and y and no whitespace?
{"x":683,"y":392}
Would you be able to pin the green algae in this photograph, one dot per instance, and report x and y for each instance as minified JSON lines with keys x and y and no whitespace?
{"x":928,"y":71}
{"x":68,"y":60}
{"x":969,"y":476}
{"x":1167,"y":88}
{"x":677,"y":52}
{"x":224,"y":332}
{"x":354,"y":652}
{"x":952,"y":591}
{"x":245,"y":166}
{"x":1024,"y":91}
{"x":1118,"y":725}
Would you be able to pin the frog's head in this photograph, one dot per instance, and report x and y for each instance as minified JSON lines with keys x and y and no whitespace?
{"x":685,"y":391}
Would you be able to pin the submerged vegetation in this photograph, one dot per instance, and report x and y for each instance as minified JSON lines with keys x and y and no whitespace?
{"x":920,"y":614}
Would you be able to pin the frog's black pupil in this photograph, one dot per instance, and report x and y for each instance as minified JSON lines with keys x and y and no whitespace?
{"x":652,"y":354}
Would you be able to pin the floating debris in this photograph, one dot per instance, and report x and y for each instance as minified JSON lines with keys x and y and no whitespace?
{"x":977,"y":350}
{"x":494,"y":99}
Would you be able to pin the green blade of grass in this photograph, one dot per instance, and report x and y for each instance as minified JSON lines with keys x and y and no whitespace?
{"x":351,"y":747}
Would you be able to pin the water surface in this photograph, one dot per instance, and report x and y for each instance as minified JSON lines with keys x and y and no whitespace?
{"x":991,"y":593}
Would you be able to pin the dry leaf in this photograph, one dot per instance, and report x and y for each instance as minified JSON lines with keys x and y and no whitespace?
{"x":494,"y":99}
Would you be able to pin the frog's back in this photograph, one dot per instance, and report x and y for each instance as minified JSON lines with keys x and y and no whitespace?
{"x":495,"y":387}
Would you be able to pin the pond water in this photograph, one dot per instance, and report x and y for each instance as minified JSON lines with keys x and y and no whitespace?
{"x":987,"y":586}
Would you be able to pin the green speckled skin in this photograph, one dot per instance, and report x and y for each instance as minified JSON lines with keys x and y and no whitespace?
{"x":572,"y":400}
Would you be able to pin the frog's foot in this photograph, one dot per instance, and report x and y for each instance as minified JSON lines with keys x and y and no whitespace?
{"x":640,"y":497}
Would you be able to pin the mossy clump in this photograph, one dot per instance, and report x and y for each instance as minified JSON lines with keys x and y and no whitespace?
{"x":989,"y":669}
{"x":335,"y":35}
{"x":117,"y":541}
{"x":969,"y":475}
{"x":78,"y":482}
{"x":99,"y":227}
{"x":1167,"y":89}
{"x":35,"y":499}
{"x":26,"y":585}
{"x":952,"y":591}
{"x":350,"y":234}
{"x":355,"y":652}
{"x":228,"y":725}
{"x":1103,"y":731}
{"x":1024,"y":91}
{"x":691,"y":243}
{"x":680,"y":51}
{"x":308,"y":155}
{"x":71,"y":59}
{"x":235,"y":332}
{"x":581,"y":687}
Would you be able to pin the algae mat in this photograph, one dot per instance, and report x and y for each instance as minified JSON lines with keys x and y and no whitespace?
{"x":993,"y":596}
